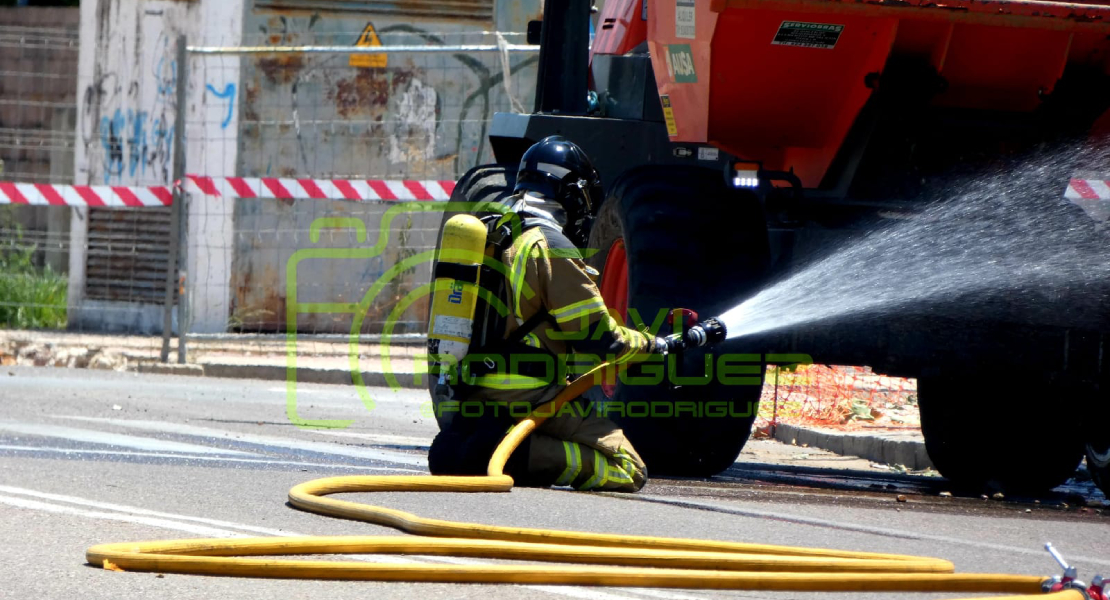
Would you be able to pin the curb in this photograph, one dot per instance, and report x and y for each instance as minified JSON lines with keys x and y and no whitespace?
{"x":908,"y":453}
{"x":159,"y":368}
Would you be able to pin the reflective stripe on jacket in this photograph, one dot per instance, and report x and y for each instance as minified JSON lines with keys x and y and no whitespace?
{"x":546,"y":271}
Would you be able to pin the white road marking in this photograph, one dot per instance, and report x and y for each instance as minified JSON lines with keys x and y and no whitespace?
{"x":301,"y":390}
{"x":320,"y":447}
{"x":378,"y":394}
{"x":654,"y":593}
{"x":381,"y":438}
{"x":110,"y":439}
{"x":883,"y":531}
{"x":292,"y":463}
{"x":577,"y":592}
{"x":163,"y":523}
{"x":134,"y":510}
{"x":225,"y":529}
{"x":131,"y":514}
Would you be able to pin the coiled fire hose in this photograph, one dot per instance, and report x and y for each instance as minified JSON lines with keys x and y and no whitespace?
{"x":614,"y":560}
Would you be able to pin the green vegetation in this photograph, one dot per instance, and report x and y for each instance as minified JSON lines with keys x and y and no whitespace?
{"x":30,"y":297}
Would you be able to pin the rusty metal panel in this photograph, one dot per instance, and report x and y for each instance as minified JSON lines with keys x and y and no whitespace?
{"x":270,"y":233}
{"x":423,"y":116}
{"x":474,"y":10}
{"x":420,"y":117}
{"x":128,"y":253}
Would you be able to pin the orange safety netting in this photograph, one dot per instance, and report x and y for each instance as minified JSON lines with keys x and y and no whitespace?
{"x":840,"y":397}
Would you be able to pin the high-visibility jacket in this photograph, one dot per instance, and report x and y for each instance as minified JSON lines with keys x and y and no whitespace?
{"x":546,"y":273}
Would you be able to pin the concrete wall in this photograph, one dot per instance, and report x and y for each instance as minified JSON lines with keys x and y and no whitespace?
{"x":127,"y":78}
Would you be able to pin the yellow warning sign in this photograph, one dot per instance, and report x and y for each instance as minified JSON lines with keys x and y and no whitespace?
{"x":368,"y":39}
{"x":668,"y":115}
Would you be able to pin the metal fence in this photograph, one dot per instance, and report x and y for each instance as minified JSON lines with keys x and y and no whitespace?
{"x":335,"y":137}
{"x":38,"y":68}
{"x":300,"y":155}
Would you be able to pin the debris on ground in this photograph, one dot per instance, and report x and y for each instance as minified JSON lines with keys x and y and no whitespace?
{"x":837,"y":397}
{"x":28,"y":353}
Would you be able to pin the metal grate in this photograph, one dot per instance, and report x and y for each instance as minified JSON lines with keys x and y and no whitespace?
{"x":128,"y":254}
{"x":470,"y":10}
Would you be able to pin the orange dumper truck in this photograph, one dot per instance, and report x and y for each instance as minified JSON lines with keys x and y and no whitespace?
{"x":739,"y":140}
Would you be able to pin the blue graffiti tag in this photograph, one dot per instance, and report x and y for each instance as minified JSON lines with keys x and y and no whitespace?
{"x":165,"y":75}
{"x":136,"y":144}
{"x":125,"y":134}
{"x":229,"y":93}
{"x":111,"y":137}
{"x":163,"y":140}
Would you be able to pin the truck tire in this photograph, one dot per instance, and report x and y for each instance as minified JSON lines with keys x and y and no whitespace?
{"x":1098,"y":463}
{"x":670,"y":237}
{"x":1098,"y":441}
{"x":987,"y":430}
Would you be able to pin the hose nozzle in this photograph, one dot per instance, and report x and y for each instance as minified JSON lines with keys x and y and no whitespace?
{"x":704,"y":333}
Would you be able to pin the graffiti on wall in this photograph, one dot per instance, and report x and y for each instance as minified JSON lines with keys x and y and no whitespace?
{"x":123,"y":135}
{"x":228,"y":94}
{"x":164,"y":76}
{"x":129,"y":114}
{"x":135,"y":135}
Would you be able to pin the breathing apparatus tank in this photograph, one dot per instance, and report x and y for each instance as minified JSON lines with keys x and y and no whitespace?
{"x":455,"y":286}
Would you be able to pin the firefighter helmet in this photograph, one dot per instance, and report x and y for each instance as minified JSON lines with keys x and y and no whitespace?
{"x":557,"y":169}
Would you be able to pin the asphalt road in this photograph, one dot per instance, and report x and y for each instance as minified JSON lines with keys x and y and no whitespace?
{"x":92,"y":457}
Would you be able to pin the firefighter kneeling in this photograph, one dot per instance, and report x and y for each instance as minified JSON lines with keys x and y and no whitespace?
{"x":554,"y":310}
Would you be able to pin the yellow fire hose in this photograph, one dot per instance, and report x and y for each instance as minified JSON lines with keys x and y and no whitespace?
{"x":641,"y":561}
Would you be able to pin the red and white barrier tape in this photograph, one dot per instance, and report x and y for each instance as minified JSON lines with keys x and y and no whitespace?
{"x":275,"y":187}
{"x":84,"y":195}
{"x":225,"y":187}
{"x":1088,"y":189}
{"x":338,"y":189}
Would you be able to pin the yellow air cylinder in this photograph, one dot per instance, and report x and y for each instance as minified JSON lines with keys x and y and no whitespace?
{"x":455,"y":292}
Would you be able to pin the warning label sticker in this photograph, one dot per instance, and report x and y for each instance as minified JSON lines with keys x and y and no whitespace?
{"x":668,"y":115}
{"x":452,"y":327}
{"x":807,"y":35}
{"x":368,"y":39}
{"x":684,"y":15}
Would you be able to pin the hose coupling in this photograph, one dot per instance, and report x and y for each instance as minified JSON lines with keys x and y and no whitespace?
{"x":1052,"y":582}
{"x":1097,"y":590}
{"x":1078,"y":586}
{"x":1099,"y":587}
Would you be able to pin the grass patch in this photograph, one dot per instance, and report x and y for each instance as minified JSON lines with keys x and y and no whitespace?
{"x":30,"y":297}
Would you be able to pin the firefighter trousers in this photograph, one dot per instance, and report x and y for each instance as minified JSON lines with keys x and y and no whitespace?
{"x":575,"y":448}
